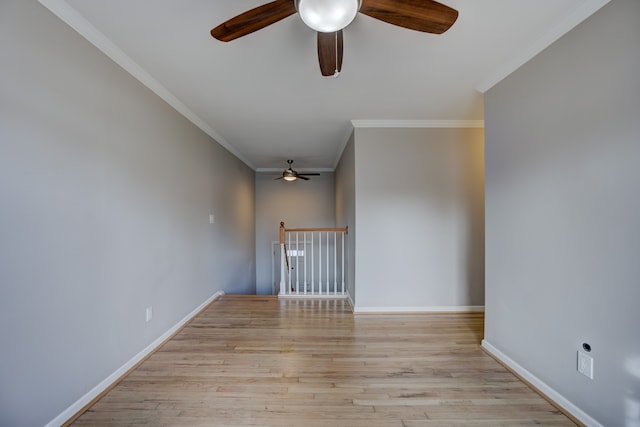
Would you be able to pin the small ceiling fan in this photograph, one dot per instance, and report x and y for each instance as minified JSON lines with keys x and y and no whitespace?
{"x":291,"y":175}
{"x":330,"y":17}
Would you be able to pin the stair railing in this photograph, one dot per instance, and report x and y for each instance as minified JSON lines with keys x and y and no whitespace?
{"x":312,"y":262}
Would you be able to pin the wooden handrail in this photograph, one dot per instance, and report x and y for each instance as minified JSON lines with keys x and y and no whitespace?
{"x":283,"y":230}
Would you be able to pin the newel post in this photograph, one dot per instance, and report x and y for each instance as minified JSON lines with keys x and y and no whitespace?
{"x":283,"y":255}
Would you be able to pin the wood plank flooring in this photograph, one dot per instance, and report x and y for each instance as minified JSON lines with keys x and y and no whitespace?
{"x":260,"y":361}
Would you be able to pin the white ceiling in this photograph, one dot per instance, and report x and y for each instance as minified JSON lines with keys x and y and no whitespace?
{"x":262,"y":96}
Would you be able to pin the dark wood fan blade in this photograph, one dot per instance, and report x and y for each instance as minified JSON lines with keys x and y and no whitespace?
{"x":253,"y":20}
{"x":302,"y":177}
{"x":308,"y":174}
{"x":330,"y":53}
{"x":421,"y":15}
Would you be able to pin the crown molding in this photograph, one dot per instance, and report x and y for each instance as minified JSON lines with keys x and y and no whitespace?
{"x":417,"y":123}
{"x":77,"y":22}
{"x":301,"y":170}
{"x":586,"y":9}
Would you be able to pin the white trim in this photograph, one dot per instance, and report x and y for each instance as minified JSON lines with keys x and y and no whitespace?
{"x":351,"y":303}
{"x":588,"y":8}
{"x":313,"y":296}
{"x":433,"y":309}
{"x":301,"y":170}
{"x":72,"y":18}
{"x":541,"y":386}
{"x":417,"y":123}
{"x":107,"y":382}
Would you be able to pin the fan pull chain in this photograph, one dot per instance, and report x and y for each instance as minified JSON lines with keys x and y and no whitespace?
{"x":336,"y":72}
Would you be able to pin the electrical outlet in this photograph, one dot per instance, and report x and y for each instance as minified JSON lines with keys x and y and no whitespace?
{"x":212,"y":219}
{"x":585,"y":364}
{"x":149,"y":313}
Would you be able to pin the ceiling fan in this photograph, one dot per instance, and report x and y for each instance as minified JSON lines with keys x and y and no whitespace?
{"x":330,"y":17}
{"x":291,"y":175}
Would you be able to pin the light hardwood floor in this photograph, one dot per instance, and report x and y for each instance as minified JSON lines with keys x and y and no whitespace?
{"x":260,"y":361}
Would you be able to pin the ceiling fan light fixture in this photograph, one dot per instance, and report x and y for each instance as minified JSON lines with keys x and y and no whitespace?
{"x":289,"y":174}
{"x":327,"y":16}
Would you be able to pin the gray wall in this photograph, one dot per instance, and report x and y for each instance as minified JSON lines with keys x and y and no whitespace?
{"x":419,"y":212}
{"x":105,"y":195}
{"x":562,"y":214}
{"x":346,"y":209}
{"x":300,"y":204}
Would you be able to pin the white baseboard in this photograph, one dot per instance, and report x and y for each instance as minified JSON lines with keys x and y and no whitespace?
{"x":351,"y":303}
{"x":433,"y":309}
{"x":552,"y":394}
{"x":107,"y":382}
{"x":312,"y":296}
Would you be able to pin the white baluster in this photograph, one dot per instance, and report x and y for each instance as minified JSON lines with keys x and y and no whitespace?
{"x":283,"y":262}
{"x":327,"y":262}
{"x":319,"y":262}
{"x":335,"y":262}
{"x":289,"y":290}
{"x":342,"y":290}
{"x":313,"y":286}
{"x":297,"y":269}
{"x":304,"y":246}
